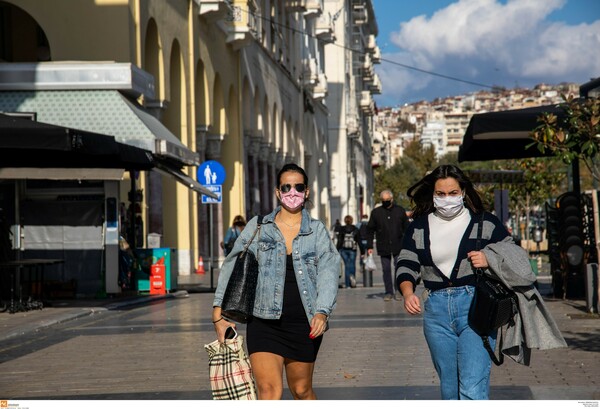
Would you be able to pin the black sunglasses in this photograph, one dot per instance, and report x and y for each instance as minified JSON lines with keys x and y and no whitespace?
{"x":300,"y":187}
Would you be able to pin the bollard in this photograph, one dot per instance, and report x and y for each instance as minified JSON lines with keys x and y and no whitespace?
{"x":368,"y":278}
{"x":591,"y":287}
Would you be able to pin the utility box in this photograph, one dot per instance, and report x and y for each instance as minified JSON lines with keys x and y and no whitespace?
{"x":154,"y":241}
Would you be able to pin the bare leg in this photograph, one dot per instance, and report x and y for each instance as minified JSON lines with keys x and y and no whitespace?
{"x":299,"y":377}
{"x":268,"y":373}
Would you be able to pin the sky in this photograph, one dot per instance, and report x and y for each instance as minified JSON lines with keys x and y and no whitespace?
{"x":483,"y":43}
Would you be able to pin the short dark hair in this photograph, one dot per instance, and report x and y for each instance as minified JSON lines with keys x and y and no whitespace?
{"x":421,"y":193}
{"x":291,"y":167}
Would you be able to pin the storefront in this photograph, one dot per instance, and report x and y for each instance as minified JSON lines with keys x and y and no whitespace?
{"x":61,"y":194}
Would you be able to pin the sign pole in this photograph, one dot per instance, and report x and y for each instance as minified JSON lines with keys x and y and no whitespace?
{"x":212,"y":175}
{"x":210,"y":245}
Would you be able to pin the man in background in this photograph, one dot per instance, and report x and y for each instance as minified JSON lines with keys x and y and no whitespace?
{"x":387,"y":225}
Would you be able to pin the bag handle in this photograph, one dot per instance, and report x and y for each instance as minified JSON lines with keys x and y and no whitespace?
{"x":259,"y":223}
{"x":486,"y":342}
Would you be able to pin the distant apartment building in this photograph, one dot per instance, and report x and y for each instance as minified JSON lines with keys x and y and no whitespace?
{"x":442,"y":123}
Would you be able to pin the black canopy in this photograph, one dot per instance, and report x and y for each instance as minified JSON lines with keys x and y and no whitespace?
{"x":27,"y":143}
{"x":503,"y":134}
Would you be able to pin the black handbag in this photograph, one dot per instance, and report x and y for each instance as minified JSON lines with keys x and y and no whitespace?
{"x":238,"y":300}
{"x":494,"y":305}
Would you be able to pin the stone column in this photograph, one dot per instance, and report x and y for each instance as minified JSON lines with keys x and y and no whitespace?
{"x":254,"y":170}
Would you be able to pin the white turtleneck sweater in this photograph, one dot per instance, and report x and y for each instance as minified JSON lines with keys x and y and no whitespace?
{"x":445,"y":235}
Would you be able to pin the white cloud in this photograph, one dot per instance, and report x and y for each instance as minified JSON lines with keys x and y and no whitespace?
{"x":494,"y":43}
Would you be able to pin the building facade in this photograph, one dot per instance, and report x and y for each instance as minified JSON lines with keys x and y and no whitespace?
{"x":244,"y":83}
{"x":352,"y":84}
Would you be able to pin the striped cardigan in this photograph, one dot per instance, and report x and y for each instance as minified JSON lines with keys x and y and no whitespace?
{"x":415,"y":262}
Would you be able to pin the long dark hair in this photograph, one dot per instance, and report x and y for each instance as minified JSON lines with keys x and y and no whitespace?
{"x":421,"y":193}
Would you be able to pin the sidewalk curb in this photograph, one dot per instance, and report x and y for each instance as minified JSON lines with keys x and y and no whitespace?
{"x":83,"y":312}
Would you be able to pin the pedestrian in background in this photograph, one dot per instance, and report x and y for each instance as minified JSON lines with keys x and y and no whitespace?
{"x":387,"y":225}
{"x":296,"y":291}
{"x":440,"y":248}
{"x":363,"y":234}
{"x":347,"y":245}
{"x":233,"y":232}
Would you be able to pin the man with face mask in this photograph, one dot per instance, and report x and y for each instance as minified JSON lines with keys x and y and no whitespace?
{"x":387,"y":225}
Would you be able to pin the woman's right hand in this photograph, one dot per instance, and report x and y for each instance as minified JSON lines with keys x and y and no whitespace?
{"x":412,"y":304}
{"x":220,"y":323}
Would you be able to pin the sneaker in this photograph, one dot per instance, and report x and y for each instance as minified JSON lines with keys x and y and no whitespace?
{"x":352,"y":282}
{"x":387,"y":297}
{"x":398,"y":297}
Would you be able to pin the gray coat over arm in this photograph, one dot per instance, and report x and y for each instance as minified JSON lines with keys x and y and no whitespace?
{"x":533,"y":326}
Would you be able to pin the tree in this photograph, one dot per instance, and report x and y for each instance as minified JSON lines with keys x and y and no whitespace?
{"x":576,"y":136}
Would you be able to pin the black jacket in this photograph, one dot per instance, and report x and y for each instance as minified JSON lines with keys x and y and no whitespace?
{"x":351,"y":229}
{"x":388,"y":227}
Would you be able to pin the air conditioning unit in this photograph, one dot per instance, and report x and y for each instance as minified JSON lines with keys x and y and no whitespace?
{"x":359,"y":14}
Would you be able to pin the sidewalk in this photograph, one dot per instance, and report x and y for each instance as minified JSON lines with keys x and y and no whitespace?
{"x":374,"y":349}
{"x":20,"y":323}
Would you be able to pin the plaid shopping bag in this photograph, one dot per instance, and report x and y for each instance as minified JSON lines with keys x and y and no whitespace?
{"x":229,"y":370}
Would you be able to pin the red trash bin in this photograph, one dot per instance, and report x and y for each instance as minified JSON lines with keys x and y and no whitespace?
{"x":158,"y":278}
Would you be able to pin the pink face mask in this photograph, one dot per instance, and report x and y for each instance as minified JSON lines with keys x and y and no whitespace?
{"x":292,"y":199}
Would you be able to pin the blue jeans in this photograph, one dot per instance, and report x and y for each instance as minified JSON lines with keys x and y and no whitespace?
{"x":458,"y":354}
{"x":349,"y":257}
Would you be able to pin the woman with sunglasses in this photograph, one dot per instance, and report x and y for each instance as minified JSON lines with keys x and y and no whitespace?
{"x":296,"y":291}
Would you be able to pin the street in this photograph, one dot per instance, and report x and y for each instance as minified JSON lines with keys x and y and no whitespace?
{"x":373,"y":351}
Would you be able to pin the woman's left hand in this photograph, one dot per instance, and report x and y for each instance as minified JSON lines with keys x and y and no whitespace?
{"x":478,"y":259}
{"x":318,"y":325}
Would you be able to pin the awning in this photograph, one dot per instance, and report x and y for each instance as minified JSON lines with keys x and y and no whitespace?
{"x":30,"y":144}
{"x":106,"y":112}
{"x":181,"y":177}
{"x":62,"y":173}
{"x":504,"y":134}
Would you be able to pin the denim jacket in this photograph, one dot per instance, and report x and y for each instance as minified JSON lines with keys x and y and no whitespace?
{"x":316,"y":264}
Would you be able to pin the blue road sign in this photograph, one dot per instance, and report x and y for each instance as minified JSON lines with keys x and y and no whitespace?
{"x":211,"y":172}
{"x":215,"y":189}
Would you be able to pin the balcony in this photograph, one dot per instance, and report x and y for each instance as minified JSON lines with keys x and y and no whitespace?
{"x":241,"y":27}
{"x":213,"y":10}
{"x":314,"y":8}
{"x":293,"y":6}
{"x":375,"y":86}
{"x":371,"y":43}
{"x":324,"y":29}
{"x":366,"y":104}
{"x":352,"y":127}
{"x":320,"y":88}
{"x":367,"y":69}
{"x":310,"y":75}
{"x":376,"y":55}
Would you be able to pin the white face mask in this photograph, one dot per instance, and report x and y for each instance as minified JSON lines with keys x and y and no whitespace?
{"x":448,"y":206}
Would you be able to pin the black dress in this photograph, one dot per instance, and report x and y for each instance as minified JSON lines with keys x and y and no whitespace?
{"x":289,"y":335}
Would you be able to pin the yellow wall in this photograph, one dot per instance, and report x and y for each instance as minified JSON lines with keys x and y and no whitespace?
{"x":83,"y":29}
